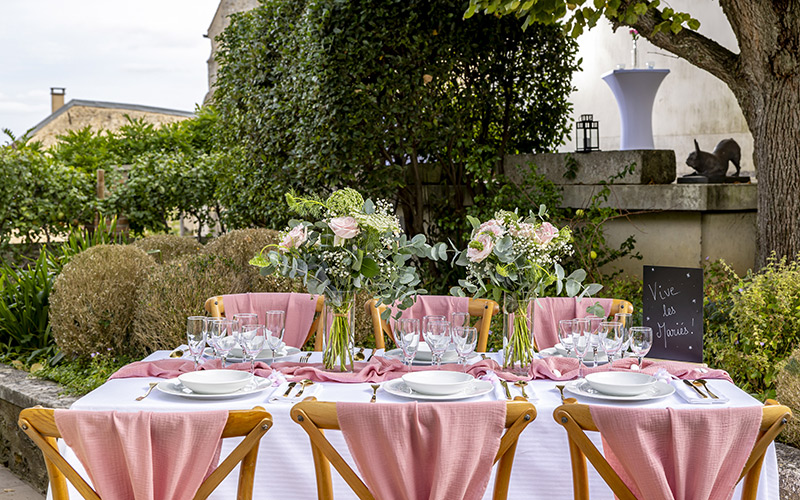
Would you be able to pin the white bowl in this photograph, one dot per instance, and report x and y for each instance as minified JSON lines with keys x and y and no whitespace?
{"x":438,"y":383}
{"x":620,"y":383}
{"x":215,"y":381}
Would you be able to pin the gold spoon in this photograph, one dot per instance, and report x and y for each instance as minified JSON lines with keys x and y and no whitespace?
{"x":693,"y":386}
{"x":152,"y":386}
{"x":703,"y":383}
{"x":375,"y":388}
{"x":177,"y":353}
{"x":359,"y":355}
{"x":521,"y":384}
{"x":303,"y":384}
{"x":560,"y":387}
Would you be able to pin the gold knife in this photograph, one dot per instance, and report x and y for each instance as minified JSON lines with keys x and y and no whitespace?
{"x":505,"y":386}
{"x":695,"y":389}
{"x":289,"y":389}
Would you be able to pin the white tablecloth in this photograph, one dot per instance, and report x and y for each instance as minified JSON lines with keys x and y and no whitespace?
{"x":286,"y":470}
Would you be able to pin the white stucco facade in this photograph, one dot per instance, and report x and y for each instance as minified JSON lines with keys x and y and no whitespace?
{"x":690,"y":103}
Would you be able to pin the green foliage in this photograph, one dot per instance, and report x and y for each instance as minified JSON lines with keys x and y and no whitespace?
{"x":754,"y":322}
{"x":24,"y":307}
{"x":787,"y":386}
{"x":398,"y":98}
{"x":166,"y":247}
{"x":80,"y":375}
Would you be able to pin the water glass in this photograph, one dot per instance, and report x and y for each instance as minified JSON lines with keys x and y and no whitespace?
{"x":220,"y":335}
{"x":437,"y":336}
{"x":593,"y":323}
{"x":465,"y":338}
{"x":196,"y":337}
{"x":581,"y":340}
{"x":565,"y":334}
{"x":274,"y":327}
{"x":610,"y":334}
{"x":427,"y":320}
{"x":624,"y":319}
{"x":252,"y":340}
{"x":407,"y":338}
{"x":459,"y":319}
{"x":242,"y":319}
{"x":641,"y":341}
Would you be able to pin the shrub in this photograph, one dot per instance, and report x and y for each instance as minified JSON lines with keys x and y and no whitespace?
{"x":166,"y":247}
{"x":94,"y":299}
{"x":179,"y":289}
{"x":787,"y":385}
{"x":760,"y":329}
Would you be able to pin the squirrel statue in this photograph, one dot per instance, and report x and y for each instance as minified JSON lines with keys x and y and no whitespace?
{"x":715,"y":164}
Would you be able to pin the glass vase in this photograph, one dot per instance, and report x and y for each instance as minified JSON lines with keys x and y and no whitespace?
{"x":338,"y":338}
{"x":634,"y":56}
{"x":518,"y":349}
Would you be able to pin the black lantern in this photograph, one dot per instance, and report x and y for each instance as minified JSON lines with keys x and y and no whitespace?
{"x":587,"y":134}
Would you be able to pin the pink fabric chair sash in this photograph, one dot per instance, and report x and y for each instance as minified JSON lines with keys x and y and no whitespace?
{"x":547,"y":311}
{"x":678,"y":454}
{"x":299,"y":307}
{"x":144,"y":455}
{"x":424,"y":451}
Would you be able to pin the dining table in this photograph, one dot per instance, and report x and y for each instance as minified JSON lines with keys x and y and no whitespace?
{"x":285,"y":468}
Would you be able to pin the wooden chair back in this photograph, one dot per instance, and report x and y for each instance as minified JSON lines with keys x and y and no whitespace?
{"x":39,"y":424}
{"x":577,"y":419}
{"x":317,"y":416}
{"x":480,"y":310}
{"x":216,"y":308}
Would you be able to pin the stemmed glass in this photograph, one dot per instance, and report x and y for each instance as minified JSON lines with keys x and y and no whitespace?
{"x":437,"y":336}
{"x":459,"y":319}
{"x":252,"y":340}
{"x":565,"y":335}
{"x":593,"y":323}
{"x":641,"y":341}
{"x":220,"y":335}
{"x":196,"y":337}
{"x":581,"y":339}
{"x":407,"y":338}
{"x":464,"y":338}
{"x":427,"y":320}
{"x":610,"y":334}
{"x":624,"y":319}
{"x":273,"y":329}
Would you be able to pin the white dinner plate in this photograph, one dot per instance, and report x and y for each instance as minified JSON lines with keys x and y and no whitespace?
{"x":581,"y":387}
{"x":264,"y":355}
{"x":424,"y":353}
{"x":174,"y":387}
{"x":398,"y":354}
{"x":588,"y":358}
{"x":477,"y":388}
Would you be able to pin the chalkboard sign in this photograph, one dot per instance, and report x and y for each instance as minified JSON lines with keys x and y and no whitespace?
{"x":673,"y":308}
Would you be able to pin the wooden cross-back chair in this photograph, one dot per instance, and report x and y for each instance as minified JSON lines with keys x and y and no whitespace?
{"x":480,"y":309}
{"x":316,"y":416}
{"x":39,"y":424}
{"x":577,"y":419}
{"x":216,"y":308}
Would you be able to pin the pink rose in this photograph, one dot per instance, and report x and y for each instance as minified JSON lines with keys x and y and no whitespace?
{"x":294,"y":238}
{"x":344,"y":227}
{"x":480,"y":247}
{"x":545,"y":233}
{"x":492,"y":226}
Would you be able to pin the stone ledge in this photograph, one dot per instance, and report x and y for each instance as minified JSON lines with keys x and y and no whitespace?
{"x":788,"y":471}
{"x":671,"y":197}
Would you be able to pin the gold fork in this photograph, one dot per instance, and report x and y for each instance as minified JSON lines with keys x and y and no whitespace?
{"x":152,"y":386}
{"x":305,"y":358}
{"x":375,"y":388}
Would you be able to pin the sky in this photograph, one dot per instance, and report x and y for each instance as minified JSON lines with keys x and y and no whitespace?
{"x":146,"y":52}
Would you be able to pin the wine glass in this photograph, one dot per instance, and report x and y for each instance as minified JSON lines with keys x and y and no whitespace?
{"x":428,"y":319}
{"x":465,"y":338}
{"x":407,"y":338}
{"x":610,"y":334}
{"x":244,"y":319}
{"x":624,"y":319}
{"x":220,"y":335}
{"x":565,"y":334}
{"x":437,"y":336}
{"x":641,"y":341}
{"x":594,"y":325}
{"x":196,"y":336}
{"x":252,"y":340}
{"x":273,"y":329}
{"x":581,"y":340}
{"x":459,"y":319}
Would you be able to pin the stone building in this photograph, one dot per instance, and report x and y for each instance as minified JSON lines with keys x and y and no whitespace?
{"x":217,"y":26}
{"x":78,"y":114}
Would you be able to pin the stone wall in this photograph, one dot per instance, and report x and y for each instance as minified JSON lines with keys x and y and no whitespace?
{"x":17,"y":451}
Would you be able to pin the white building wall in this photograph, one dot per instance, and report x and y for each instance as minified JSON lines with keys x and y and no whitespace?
{"x":690,"y":103}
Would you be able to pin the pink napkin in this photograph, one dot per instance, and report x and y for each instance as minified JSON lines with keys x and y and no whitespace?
{"x":171,"y":368}
{"x":547,"y":311}
{"x":299,"y":307}
{"x":144,"y":455}
{"x":424,"y":451}
{"x":428,"y":305}
{"x":673,"y":454}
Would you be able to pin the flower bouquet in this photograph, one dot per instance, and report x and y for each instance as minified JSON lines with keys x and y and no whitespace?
{"x":349,"y":245}
{"x":515,"y":260}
